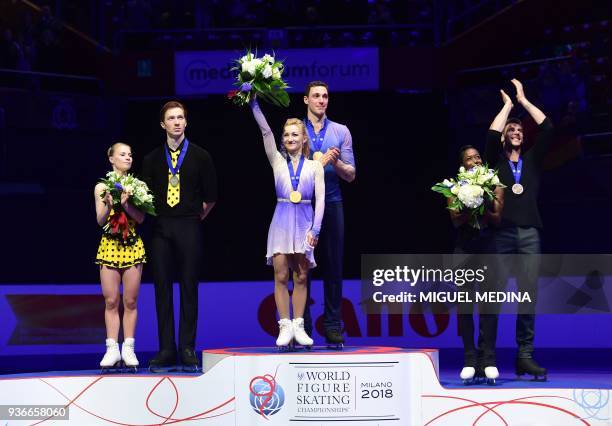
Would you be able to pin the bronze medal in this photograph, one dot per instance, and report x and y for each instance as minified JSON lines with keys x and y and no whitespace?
{"x":517,"y":188}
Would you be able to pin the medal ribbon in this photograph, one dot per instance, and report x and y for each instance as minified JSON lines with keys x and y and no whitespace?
{"x":317,"y":141}
{"x":516,"y":171}
{"x":175,"y":170}
{"x":295,"y":176}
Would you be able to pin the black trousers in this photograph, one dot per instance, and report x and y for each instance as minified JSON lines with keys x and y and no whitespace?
{"x":330,"y":255}
{"x":176,"y":250}
{"x":480,"y":245}
{"x":524,"y":241}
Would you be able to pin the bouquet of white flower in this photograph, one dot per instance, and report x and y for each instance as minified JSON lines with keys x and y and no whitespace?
{"x":262,"y":76}
{"x":140,"y":195}
{"x":469,"y":190}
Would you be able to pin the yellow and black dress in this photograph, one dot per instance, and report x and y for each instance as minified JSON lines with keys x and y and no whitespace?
{"x":119,"y":249}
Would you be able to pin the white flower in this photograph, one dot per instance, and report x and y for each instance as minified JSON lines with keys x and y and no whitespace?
{"x":276,"y":74}
{"x":447,"y":183}
{"x":244,"y":59}
{"x":482,"y":179}
{"x":454,"y":189}
{"x":470,"y":195}
{"x":495,"y":180}
{"x":461,"y":169}
{"x":268,"y":59}
{"x":129,"y":188}
{"x":267,"y":71}
{"x":248,"y":67}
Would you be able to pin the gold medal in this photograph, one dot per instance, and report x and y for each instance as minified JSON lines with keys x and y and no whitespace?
{"x":317,"y":155}
{"x":517,"y":188}
{"x":174,"y":181}
{"x":295,"y":197}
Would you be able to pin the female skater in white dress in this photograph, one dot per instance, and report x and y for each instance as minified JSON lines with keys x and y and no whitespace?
{"x":294,"y":230}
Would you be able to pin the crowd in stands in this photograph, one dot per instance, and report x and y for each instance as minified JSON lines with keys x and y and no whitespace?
{"x":172,"y":14}
{"x":29,"y":43}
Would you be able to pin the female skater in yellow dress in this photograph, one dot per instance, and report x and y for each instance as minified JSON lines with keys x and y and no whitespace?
{"x":120,"y":256}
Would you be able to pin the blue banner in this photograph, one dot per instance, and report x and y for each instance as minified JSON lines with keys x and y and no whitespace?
{"x":344,"y":69}
{"x":36,"y":321}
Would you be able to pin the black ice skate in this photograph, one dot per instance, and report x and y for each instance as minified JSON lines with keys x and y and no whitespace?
{"x":531,"y":367}
{"x":163,"y":362}
{"x":334,"y":339}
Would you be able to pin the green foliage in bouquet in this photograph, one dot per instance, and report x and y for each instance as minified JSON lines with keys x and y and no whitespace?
{"x":261,"y":76}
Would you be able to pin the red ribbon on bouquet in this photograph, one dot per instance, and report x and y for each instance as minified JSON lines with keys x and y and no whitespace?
{"x":119,"y":224}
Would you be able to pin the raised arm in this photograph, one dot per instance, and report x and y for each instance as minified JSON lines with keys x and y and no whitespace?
{"x":266,"y":132}
{"x":545,"y":127}
{"x":313,"y":235}
{"x":535,"y":113}
{"x":493,"y":146}
{"x":500,"y":119}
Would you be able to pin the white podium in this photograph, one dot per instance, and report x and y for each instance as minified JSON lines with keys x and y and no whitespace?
{"x":259,"y":386}
{"x":364,"y":386}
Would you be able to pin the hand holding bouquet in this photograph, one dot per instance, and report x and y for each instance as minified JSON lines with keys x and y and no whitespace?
{"x":262,"y":76}
{"x":136,"y":191}
{"x":118,"y":190}
{"x":469,"y":190}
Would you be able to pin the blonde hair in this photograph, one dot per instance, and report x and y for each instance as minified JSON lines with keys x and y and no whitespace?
{"x":111,"y":150}
{"x":300,"y":124}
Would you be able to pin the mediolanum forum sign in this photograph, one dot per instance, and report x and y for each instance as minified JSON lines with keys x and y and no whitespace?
{"x":209,"y":72}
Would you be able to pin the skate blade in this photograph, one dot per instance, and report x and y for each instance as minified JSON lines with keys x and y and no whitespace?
{"x":335,"y":346}
{"x":304,"y":347}
{"x":113,"y":369}
{"x":534,"y":378}
{"x":491,"y":382}
{"x":167,"y":369}
{"x":191,"y":368}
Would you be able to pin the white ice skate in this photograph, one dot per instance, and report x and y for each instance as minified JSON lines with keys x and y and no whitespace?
{"x":467,"y":375}
{"x":491,"y":373}
{"x":128,"y":356}
{"x":300,"y":334}
{"x":112,"y":357}
{"x":285,"y":334}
